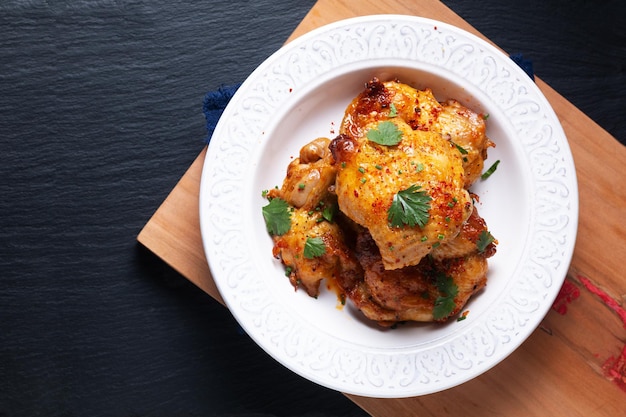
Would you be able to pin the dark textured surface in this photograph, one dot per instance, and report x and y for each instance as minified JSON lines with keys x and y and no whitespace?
{"x":100,"y":115}
{"x":577,"y":46}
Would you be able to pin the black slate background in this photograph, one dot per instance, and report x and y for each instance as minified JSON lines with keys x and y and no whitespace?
{"x":100,"y":115}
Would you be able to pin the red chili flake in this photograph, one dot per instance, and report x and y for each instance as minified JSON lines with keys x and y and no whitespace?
{"x":290,"y":90}
{"x":568,"y":293}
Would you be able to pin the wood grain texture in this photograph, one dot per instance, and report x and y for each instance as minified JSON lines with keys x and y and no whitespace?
{"x":561,"y":370}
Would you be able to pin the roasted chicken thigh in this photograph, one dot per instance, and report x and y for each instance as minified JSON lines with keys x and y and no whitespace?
{"x":370,"y":176}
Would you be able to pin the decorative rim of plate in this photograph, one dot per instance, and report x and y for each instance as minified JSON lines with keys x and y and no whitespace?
{"x":553,"y":206}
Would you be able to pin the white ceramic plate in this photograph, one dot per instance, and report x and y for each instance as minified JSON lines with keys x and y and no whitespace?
{"x":530,"y":204}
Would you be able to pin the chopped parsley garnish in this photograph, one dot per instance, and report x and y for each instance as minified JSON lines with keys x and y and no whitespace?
{"x":386,"y":133}
{"x":444,"y":304}
{"x":484,"y":239}
{"x":409,"y":207}
{"x":460,"y":148}
{"x":314,"y":247}
{"x":393,"y":112}
{"x":328,"y":212}
{"x":490,"y":171}
{"x":277,"y":216}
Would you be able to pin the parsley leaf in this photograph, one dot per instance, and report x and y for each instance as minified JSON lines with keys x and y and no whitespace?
{"x":490,"y":171}
{"x":386,"y":133}
{"x":484,"y":239}
{"x":409,"y":207}
{"x":444,"y":304}
{"x":328,"y":212}
{"x":314,"y":247}
{"x":277,"y":216}
{"x":393,"y":112}
{"x":460,"y":149}
{"x":443,"y":307}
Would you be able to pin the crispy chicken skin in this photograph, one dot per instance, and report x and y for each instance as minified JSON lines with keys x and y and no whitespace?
{"x":466,"y":129}
{"x":370,"y":175}
{"x":307,"y":187}
{"x":466,"y":241}
{"x":418,"y":108}
{"x":309,"y":176}
{"x":337,"y":261}
{"x":421,"y":111}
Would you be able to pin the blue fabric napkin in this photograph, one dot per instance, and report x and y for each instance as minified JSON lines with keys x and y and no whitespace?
{"x":214,"y":104}
{"x":525,"y":64}
{"x":215,"y":101}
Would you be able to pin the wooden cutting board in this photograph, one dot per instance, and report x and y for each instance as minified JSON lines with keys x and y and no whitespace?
{"x":574,"y":364}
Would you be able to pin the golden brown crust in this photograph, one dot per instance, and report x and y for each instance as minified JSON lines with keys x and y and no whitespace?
{"x":409,"y":294}
{"x":370,"y":175}
{"x":466,"y":129}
